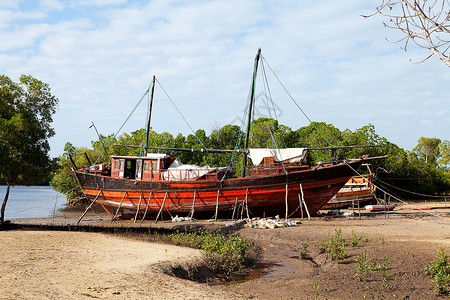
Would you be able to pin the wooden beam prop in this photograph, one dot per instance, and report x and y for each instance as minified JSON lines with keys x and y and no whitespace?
{"x":162,"y":206}
{"x":118,"y":208}
{"x":92,"y":203}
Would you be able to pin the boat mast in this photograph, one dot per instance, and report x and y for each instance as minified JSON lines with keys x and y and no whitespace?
{"x":250,"y":109}
{"x":147,"y":132}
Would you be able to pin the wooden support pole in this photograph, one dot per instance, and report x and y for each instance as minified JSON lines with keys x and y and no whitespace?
{"x":286,"y":202}
{"x":301,"y":206}
{"x":92,"y":203}
{"x":217,"y":205}
{"x":54,"y":208}
{"x":300,"y":202}
{"x":162,"y":206}
{"x":359,"y":210}
{"x":191,"y":213}
{"x":107,"y":210}
{"x":117,"y":211}
{"x":304,"y":202}
{"x":137,"y":209}
{"x":146,"y":208}
{"x":387,"y":210}
{"x":234,"y":209}
{"x":246,"y":204}
{"x":353,"y":206}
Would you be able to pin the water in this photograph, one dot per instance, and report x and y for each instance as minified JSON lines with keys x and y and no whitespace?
{"x":31,"y":201}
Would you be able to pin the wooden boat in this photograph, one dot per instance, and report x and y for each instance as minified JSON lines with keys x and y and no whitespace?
{"x":277,"y":184}
{"x":357,"y":191}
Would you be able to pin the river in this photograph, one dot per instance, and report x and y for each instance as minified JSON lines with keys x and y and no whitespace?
{"x":31,"y":201}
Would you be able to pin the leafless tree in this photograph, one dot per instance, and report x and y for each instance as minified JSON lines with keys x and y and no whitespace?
{"x":422,"y":22}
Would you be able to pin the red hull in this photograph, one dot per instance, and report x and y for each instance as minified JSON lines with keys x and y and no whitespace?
{"x":262,"y":195}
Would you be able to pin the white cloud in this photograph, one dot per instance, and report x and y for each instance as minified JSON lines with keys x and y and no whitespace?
{"x":99,"y":58}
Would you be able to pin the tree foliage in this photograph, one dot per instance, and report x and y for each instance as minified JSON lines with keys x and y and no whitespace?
{"x":427,"y":149}
{"x":444,"y":154}
{"x":26,"y":110}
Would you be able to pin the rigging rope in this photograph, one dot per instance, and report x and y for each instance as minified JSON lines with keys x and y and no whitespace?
{"x":123,"y":124}
{"x":241,"y":130}
{"x":181,"y":115}
{"x":293,"y":100}
{"x":385,"y":191}
{"x":413,"y":193}
{"x":266,"y":85}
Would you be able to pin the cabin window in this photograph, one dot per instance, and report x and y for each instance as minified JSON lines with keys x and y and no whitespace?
{"x":116,"y":165}
{"x":154,"y":165}
{"x":268,"y":160}
{"x":146,"y":165}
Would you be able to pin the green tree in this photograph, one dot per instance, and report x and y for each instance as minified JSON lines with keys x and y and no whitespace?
{"x":318,"y":135}
{"x":444,"y":154}
{"x":26,"y":110}
{"x":64,"y":180}
{"x":428,"y":149}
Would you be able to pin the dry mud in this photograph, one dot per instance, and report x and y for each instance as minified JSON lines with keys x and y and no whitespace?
{"x":80,"y":265}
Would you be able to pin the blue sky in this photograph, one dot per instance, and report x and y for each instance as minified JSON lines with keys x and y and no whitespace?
{"x":99,"y":58}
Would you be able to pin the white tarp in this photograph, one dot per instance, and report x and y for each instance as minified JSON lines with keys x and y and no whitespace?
{"x":179,"y":171}
{"x":289,"y":155}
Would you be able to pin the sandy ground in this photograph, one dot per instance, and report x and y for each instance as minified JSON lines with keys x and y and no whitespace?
{"x":77,"y":265}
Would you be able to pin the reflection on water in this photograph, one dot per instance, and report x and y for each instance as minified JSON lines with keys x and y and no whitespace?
{"x":31,"y":201}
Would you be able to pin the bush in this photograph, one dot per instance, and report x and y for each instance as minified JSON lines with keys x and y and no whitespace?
{"x":303,"y":250}
{"x":439,"y":269}
{"x":336,"y":247}
{"x":223,"y":255}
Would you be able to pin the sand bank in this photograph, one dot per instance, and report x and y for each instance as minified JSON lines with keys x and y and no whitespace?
{"x":77,"y":265}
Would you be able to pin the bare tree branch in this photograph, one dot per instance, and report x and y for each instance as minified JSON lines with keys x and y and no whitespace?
{"x":423,"y":22}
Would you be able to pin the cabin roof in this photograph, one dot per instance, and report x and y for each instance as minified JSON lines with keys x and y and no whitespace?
{"x":149,"y":156}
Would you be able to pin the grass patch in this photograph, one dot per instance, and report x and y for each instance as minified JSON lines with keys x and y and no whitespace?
{"x":334,"y":246}
{"x":439,"y":269}
{"x":224,"y":255}
{"x":303,"y":250}
{"x":368,"y":269}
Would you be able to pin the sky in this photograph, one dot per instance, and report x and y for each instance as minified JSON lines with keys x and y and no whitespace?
{"x":99,"y":58}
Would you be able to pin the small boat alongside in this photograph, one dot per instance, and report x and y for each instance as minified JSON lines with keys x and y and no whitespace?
{"x":355,"y":193}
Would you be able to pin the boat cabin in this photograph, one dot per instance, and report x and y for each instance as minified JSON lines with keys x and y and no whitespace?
{"x":140,"y":167}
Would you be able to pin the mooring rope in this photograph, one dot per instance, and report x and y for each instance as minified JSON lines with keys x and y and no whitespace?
{"x":16,"y":212}
{"x":123,"y":124}
{"x":385,"y":191}
{"x":33,"y":207}
{"x":410,"y":192}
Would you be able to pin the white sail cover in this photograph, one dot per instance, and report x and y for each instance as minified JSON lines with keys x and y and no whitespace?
{"x":288,"y":155}
{"x":179,"y":171}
